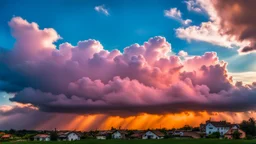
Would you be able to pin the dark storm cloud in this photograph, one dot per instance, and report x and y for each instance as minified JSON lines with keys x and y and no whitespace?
{"x":237,"y":18}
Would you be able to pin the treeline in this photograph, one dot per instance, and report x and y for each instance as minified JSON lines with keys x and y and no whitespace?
{"x":248,"y":126}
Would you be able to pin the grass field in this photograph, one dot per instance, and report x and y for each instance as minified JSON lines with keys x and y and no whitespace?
{"x":164,"y":141}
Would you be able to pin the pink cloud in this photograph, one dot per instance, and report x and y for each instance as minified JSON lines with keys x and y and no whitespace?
{"x":86,"y":78}
{"x":183,"y":53}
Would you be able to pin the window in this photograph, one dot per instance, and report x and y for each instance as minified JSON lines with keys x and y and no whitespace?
{"x":210,"y":128}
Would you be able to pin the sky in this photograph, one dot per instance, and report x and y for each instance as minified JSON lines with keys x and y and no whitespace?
{"x":130,"y":64}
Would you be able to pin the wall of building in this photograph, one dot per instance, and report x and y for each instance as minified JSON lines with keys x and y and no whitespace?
{"x":44,"y":139}
{"x":150,"y":135}
{"x":211,"y":129}
{"x":73,"y":137}
{"x":117,"y":135}
{"x":101,"y":137}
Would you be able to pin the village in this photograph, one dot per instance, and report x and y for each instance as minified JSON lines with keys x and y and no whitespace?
{"x":210,"y":129}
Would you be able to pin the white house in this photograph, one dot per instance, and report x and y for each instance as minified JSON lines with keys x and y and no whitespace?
{"x":222,"y":127}
{"x":103,"y":135}
{"x":119,"y":134}
{"x":69,"y":136}
{"x":153,"y":135}
{"x":177,"y":133}
{"x":72,"y":136}
{"x":42,"y":137}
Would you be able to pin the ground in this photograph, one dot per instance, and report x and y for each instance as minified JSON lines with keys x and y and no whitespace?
{"x":164,"y":141}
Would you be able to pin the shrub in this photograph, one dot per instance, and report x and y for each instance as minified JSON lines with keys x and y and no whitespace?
{"x":249,"y":137}
{"x":214,"y":135}
{"x":236,"y":134}
{"x":54,"y":136}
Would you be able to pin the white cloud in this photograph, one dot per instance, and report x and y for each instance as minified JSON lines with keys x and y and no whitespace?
{"x":207,"y":32}
{"x":102,"y":9}
{"x":174,"y":13}
{"x":182,"y":53}
{"x":245,"y":77}
{"x":192,"y":5}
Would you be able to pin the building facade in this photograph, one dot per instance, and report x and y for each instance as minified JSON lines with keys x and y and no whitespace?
{"x":42,"y":137}
{"x":153,"y":135}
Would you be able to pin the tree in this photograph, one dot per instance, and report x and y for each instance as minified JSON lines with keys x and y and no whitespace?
{"x":29,"y":137}
{"x":12,"y":131}
{"x":186,"y":127}
{"x":195,"y":129}
{"x":54,"y":136}
{"x":214,"y":135}
{"x":236,"y":134}
{"x":249,"y":127}
{"x":163,"y":130}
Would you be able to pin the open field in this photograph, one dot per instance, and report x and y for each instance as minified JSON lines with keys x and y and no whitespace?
{"x":164,"y":141}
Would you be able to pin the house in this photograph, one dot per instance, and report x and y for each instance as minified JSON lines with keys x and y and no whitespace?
{"x":103,"y":135}
{"x":119,"y":134}
{"x":6,"y":137}
{"x":137,"y":135}
{"x":153,"y":134}
{"x":68,"y":136}
{"x":177,"y":133}
{"x":42,"y":137}
{"x":1,"y":133}
{"x":190,"y":134}
{"x":217,"y":126}
{"x":229,"y":134}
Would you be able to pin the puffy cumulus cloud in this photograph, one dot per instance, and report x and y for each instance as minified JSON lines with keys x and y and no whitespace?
{"x":102,"y":9}
{"x":231,"y":24}
{"x":30,"y":40}
{"x":174,"y":13}
{"x":183,"y":53}
{"x":193,"y":5}
{"x":87,"y":79}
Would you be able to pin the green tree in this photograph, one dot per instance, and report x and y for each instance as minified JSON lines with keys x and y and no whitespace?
{"x":195,"y":129}
{"x":54,"y":136}
{"x":214,"y":135}
{"x":186,"y":127}
{"x":249,"y":127}
{"x":12,"y":131}
{"x":29,"y":137}
{"x":236,"y":134}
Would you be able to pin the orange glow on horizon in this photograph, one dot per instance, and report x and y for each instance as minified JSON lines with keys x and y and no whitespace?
{"x":144,"y":121}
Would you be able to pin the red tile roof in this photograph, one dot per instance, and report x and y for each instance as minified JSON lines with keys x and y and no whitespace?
{"x":158,"y":133}
{"x":220,"y":123}
{"x":6,"y":136}
{"x":42,"y":136}
{"x":191,"y":134}
{"x":231,"y":131}
{"x":137,"y":135}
